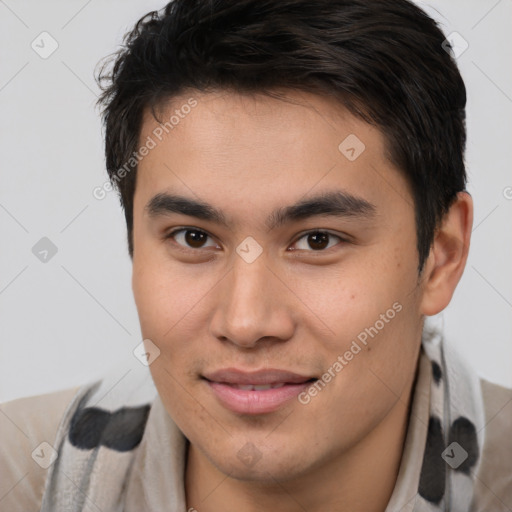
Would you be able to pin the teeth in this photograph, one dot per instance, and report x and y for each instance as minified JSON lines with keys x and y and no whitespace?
{"x":250,"y":387}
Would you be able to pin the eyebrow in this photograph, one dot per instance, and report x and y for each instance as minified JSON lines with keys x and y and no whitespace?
{"x":333,"y":203}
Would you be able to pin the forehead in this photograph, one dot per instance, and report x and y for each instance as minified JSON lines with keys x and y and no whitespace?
{"x":252,"y":147}
{"x":257,"y":117}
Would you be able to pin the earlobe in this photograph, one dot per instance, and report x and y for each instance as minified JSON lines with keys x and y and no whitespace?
{"x":448,"y":255}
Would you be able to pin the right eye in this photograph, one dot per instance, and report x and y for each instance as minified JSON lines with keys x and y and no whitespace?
{"x":189,"y":238}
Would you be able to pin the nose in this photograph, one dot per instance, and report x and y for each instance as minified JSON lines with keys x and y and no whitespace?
{"x":253,"y":305}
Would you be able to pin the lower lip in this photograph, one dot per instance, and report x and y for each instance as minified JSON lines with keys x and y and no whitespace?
{"x":255,"y":402}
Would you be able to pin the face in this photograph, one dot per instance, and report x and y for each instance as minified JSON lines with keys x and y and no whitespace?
{"x":327,"y":291}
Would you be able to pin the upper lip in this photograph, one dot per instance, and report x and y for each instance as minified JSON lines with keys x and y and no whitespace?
{"x":260,"y":377}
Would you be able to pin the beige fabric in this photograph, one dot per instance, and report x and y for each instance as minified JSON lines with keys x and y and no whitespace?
{"x":493,"y":487}
{"x":416,"y":437}
{"x":25,"y":423}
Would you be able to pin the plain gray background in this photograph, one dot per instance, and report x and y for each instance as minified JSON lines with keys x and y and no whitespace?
{"x":71,"y":319}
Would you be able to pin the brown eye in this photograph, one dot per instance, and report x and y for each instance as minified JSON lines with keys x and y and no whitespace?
{"x":317,"y":240}
{"x":190,"y":238}
{"x":195,"y":238}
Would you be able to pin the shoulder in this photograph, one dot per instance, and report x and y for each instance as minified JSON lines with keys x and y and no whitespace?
{"x":493,"y":488}
{"x":28,"y":428}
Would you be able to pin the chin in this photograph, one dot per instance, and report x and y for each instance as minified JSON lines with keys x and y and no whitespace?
{"x":263,"y":469}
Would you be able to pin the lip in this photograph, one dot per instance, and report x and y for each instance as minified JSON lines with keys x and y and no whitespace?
{"x":260,"y":377}
{"x":246,"y":401}
{"x":255,"y":401}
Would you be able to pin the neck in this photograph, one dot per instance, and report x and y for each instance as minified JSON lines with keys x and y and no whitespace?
{"x":362,"y":478}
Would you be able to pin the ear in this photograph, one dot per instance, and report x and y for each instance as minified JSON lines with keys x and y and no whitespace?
{"x":448,"y":255}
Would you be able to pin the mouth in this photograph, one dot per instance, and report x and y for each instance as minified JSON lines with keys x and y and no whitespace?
{"x":261,"y":387}
{"x":263,"y":377}
{"x":256,"y":398}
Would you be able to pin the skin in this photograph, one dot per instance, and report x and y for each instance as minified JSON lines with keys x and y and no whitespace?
{"x":207,"y":308}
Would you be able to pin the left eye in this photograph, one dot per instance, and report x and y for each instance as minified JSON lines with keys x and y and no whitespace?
{"x":318,"y":240}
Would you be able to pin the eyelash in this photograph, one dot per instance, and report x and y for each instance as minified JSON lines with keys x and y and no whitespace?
{"x":171,"y":235}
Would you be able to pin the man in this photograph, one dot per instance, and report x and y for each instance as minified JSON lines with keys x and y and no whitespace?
{"x":293,"y":183}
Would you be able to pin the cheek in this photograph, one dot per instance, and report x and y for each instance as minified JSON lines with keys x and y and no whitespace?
{"x":346,"y":302}
{"x":177,"y":396}
{"x":371,"y":305}
{"x":173,"y":311}
{"x":158,"y":298}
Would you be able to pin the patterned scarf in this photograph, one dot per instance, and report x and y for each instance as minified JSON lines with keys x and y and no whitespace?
{"x":128,"y":455}
{"x":450,"y":448}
